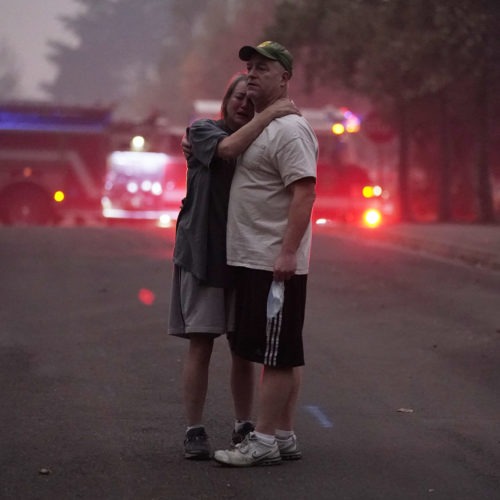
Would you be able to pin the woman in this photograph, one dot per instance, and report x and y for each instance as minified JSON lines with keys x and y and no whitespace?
{"x":202,"y":283}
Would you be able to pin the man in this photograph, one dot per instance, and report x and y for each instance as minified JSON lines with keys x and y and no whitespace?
{"x":269,"y":239}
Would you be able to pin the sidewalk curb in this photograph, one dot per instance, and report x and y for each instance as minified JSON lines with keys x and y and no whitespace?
{"x":430,"y":239}
{"x":466,"y":255}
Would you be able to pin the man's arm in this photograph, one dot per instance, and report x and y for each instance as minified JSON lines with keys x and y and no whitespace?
{"x":236,"y":143}
{"x":299,"y":216}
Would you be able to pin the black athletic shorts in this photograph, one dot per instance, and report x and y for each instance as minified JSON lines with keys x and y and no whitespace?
{"x":276,"y":342}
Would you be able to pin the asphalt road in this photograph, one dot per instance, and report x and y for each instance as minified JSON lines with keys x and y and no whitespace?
{"x":400,"y":396}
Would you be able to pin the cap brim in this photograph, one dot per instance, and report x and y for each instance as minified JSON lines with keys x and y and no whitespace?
{"x":247,"y":52}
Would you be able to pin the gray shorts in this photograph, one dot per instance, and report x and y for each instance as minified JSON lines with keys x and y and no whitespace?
{"x":197,"y":308}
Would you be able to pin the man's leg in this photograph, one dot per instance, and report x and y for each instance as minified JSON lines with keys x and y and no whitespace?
{"x":285,"y":435}
{"x":261,"y":447}
{"x":276,"y":393}
{"x":286,"y":420}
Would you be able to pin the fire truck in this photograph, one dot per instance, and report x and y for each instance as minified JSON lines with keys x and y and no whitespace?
{"x":347,"y":191}
{"x":52,"y":161}
{"x":143,"y":186}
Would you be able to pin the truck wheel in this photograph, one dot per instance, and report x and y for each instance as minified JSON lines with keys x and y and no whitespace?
{"x":27,"y":206}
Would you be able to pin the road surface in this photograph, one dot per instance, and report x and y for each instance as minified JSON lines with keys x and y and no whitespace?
{"x":400,"y":395}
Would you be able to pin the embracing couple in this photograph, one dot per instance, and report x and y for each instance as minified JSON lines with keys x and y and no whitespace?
{"x":245,"y":225}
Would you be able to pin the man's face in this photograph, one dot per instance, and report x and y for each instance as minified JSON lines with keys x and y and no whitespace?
{"x":239,"y":108}
{"x":266,"y":80}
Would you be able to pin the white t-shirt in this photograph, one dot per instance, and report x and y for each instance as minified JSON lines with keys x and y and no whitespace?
{"x":285,"y":152}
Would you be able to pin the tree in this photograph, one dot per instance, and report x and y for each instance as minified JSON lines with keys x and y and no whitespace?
{"x":399,"y":53}
{"x":487,"y":76}
{"x":154,"y":56}
{"x":212,"y":57}
{"x":9,"y":76}
{"x":128,"y":53}
{"x":119,"y":44}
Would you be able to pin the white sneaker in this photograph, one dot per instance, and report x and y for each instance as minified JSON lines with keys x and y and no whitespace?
{"x":289,"y":449}
{"x":250,"y":452}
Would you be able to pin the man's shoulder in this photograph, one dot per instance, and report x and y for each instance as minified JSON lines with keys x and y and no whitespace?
{"x":291,"y":126}
{"x":292,"y":121}
{"x":289,"y":119}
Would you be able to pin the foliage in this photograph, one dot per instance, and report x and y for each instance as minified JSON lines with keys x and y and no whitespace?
{"x":433,"y":67}
{"x":154,"y":55}
{"x":212,"y":58}
{"x":9,"y":75}
{"x":120,"y":44}
{"x":386,"y":47}
{"x":407,"y":55}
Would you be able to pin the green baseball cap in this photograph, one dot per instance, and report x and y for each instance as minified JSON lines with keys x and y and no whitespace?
{"x":270,"y":50}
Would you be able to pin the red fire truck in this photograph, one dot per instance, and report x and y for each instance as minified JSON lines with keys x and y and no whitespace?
{"x":52,"y":161}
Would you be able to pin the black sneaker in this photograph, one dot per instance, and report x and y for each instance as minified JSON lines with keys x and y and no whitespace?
{"x":241,"y":433}
{"x":196,"y":445}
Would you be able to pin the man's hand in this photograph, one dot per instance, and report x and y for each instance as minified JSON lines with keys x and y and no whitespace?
{"x":285,"y":266}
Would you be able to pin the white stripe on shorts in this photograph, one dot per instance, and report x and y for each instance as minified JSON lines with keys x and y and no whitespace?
{"x":273,"y":330}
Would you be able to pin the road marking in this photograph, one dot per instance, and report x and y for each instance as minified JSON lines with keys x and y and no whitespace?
{"x":316,"y":412}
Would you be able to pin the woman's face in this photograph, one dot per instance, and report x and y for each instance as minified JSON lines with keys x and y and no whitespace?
{"x":239,"y":108}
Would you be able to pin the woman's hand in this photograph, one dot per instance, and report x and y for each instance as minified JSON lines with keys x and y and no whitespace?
{"x":282,"y":107}
{"x":186,"y":146}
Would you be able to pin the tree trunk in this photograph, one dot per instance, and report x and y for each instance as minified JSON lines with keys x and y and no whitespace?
{"x":404,"y":193}
{"x":486,"y":211}
{"x":445,"y":175}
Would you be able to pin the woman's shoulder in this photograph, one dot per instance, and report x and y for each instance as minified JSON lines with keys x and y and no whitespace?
{"x":207,"y":123}
{"x":207,"y":127}
{"x":202,"y":123}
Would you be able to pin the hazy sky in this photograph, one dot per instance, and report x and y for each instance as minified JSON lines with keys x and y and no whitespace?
{"x":26,"y":25}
